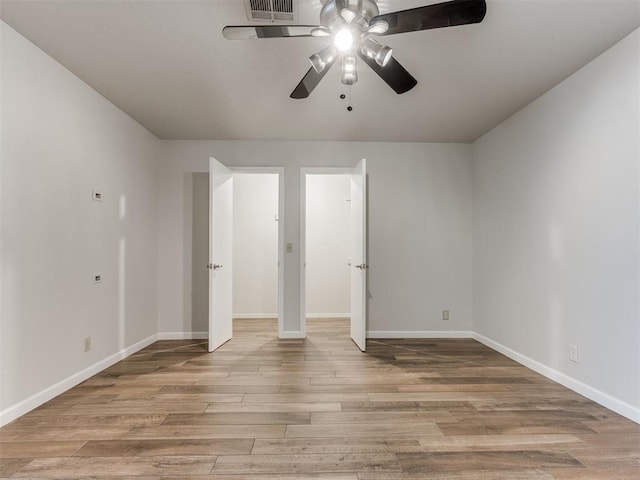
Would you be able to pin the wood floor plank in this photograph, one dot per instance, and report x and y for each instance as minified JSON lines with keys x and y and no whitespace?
{"x":37,"y":434}
{"x":9,"y":466}
{"x":323,"y":463}
{"x":239,"y":418}
{"x":179,"y":446}
{"x":196,"y":397}
{"x":305,"y":397}
{"x":364,"y":380}
{"x":340,"y":388}
{"x":307,"y":407}
{"x":211,"y":431}
{"x":421,"y":416}
{"x":263,"y":476}
{"x":361,"y":429}
{"x":423,"y":397}
{"x":88,"y":466}
{"x":502,"y":442}
{"x":263,"y":408}
{"x":608,"y":457}
{"x":290,"y":446}
{"x":140,"y":408}
{"x":511,"y":474}
{"x":39,"y":449}
{"x":219,"y":389}
{"x":505,"y":423}
{"x":256,"y":380}
{"x":506,"y":460}
{"x":90,"y":420}
{"x":609,"y":473}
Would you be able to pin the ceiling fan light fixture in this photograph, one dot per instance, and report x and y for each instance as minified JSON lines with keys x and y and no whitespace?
{"x":349,"y":71}
{"x":351,"y":26}
{"x":378,"y":28}
{"x":321,"y":32}
{"x":320,"y":60}
{"x":380,"y":53}
{"x":344,"y":39}
{"x":347,"y":14}
{"x":384,"y":55}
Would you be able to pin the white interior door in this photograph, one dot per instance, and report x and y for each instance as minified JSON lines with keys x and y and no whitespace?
{"x":359,"y":254}
{"x":220,"y":253}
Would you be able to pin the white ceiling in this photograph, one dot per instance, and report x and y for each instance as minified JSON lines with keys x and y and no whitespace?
{"x":167,"y":65}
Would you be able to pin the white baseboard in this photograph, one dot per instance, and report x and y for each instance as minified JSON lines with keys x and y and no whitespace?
{"x":256,"y":315}
{"x":419,"y":334}
{"x":606,"y":400}
{"x":328,"y":315}
{"x":183,"y":335}
{"x":11,"y":413}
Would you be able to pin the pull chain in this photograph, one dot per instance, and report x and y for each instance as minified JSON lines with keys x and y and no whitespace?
{"x":343,"y":96}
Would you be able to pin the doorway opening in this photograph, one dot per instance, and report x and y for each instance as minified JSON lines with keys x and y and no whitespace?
{"x":327,"y":235}
{"x":333,"y":267}
{"x":255,"y":250}
{"x":246,"y":232}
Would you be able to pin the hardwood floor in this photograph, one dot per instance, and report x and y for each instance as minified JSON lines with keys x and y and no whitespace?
{"x":264,"y":408}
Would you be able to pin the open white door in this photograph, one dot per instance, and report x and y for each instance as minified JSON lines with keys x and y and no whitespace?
{"x":359,"y":254}
{"x":220,"y":253}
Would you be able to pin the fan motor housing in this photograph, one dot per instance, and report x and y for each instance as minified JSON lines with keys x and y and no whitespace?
{"x":365,"y":8}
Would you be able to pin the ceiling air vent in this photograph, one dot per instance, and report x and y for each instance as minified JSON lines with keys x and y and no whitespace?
{"x":271,"y":10}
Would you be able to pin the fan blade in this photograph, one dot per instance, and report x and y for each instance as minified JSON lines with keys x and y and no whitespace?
{"x":310,"y":81}
{"x":393,"y":73}
{"x":245,"y":32}
{"x":446,"y":14}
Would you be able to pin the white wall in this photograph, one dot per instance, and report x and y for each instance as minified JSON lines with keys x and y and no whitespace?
{"x":328,"y":230}
{"x":60,"y":140}
{"x":255,"y":245}
{"x":556,"y":231}
{"x":419,"y":225}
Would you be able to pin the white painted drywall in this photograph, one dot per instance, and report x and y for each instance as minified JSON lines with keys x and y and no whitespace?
{"x":255,"y":245}
{"x":419,"y":226}
{"x":59,"y":140}
{"x":556,"y":229}
{"x":328,"y":222}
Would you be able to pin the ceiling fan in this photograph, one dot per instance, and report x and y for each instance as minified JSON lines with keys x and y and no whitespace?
{"x":352,"y":24}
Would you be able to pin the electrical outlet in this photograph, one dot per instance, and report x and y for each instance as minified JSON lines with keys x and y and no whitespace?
{"x":87,"y":344}
{"x":573,"y":353}
{"x":445,"y":314}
